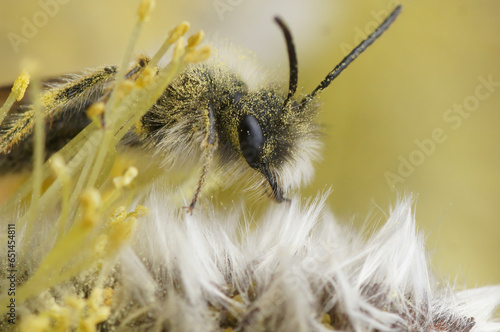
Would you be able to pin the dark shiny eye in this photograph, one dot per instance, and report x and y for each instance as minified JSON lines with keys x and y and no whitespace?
{"x":251,"y":140}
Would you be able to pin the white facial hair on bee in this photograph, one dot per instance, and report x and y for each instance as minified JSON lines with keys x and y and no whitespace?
{"x":208,"y":111}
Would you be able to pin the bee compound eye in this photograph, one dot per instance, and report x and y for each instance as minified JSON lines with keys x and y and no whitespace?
{"x":251,"y":140}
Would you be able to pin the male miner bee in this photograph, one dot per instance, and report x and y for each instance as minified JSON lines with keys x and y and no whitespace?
{"x":208,"y":110}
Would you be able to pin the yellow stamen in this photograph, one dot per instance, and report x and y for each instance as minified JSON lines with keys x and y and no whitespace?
{"x":145,"y":9}
{"x":124,"y":88}
{"x":96,"y":110}
{"x":198,"y":55}
{"x":177,"y":32}
{"x":126,"y":179}
{"x":179,"y":50}
{"x":90,"y":200}
{"x":195,"y":39}
{"x":21,"y":84}
{"x":146,"y":78}
{"x":141,"y":211}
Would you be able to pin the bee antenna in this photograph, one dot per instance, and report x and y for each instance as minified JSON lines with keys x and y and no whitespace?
{"x":292,"y":59}
{"x":354,"y":54}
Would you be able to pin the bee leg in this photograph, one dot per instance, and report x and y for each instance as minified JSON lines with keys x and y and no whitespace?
{"x":209,"y":146}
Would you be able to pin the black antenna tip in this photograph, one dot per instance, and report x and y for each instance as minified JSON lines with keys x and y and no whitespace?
{"x":355,"y":53}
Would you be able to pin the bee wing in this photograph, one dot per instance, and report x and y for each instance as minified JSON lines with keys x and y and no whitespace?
{"x":64,"y":101}
{"x":47,"y":84}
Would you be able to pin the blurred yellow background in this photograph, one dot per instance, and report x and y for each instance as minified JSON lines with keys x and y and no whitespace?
{"x":415,"y":107}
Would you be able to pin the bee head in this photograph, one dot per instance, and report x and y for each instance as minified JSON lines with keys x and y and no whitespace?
{"x":276,"y":133}
{"x":268,"y":137}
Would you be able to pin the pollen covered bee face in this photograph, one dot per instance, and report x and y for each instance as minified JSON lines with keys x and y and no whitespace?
{"x":264,"y":137}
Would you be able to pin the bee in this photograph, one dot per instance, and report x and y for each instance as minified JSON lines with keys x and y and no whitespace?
{"x":209,"y":110}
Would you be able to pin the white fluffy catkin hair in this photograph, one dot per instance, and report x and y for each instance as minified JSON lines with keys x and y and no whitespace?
{"x":298,"y":269}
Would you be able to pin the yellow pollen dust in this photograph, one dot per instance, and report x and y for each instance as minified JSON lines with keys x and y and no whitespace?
{"x":21,"y":84}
